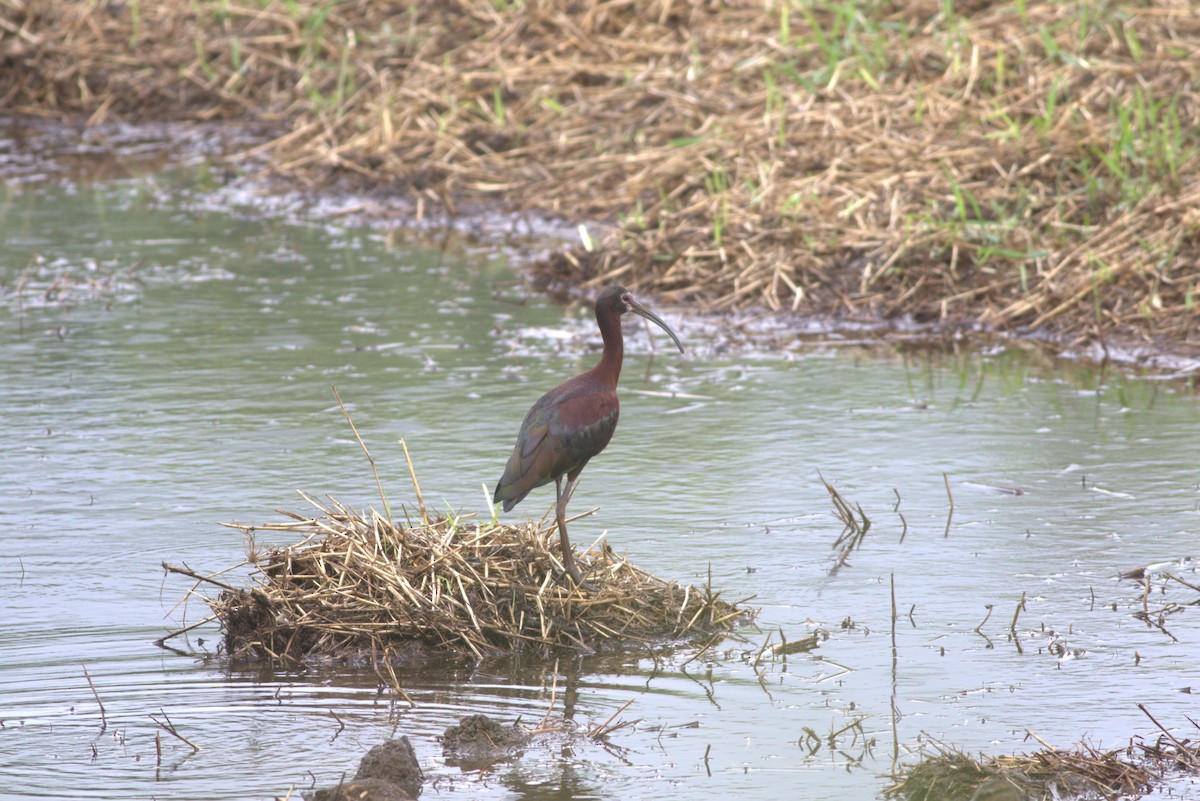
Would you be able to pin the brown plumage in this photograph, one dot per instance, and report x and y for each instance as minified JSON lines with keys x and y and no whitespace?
{"x":574,"y":421}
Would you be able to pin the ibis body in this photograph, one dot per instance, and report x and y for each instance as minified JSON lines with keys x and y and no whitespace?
{"x":574,"y":421}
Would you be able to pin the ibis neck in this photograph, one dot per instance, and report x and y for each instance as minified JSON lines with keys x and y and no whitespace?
{"x":609,"y":367}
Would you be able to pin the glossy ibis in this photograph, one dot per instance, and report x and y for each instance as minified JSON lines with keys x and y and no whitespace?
{"x":574,"y":421}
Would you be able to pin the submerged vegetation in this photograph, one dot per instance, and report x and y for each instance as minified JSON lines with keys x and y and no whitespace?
{"x":1048,"y":773}
{"x":1022,"y":165}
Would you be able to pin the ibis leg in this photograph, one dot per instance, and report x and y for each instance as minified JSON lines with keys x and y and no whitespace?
{"x":561,"y":517}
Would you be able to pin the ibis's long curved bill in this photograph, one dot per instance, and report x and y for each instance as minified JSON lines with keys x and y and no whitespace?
{"x":638,"y":308}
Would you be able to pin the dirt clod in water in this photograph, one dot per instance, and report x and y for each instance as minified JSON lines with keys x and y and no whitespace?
{"x":389,"y":772}
{"x":363,"y":790}
{"x":478,"y":742}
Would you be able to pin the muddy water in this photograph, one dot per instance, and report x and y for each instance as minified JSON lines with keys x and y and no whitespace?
{"x":180,"y":376}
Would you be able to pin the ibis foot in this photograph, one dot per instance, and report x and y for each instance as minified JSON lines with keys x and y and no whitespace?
{"x":571,"y":568}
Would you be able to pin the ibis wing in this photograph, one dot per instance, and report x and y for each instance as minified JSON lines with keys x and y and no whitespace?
{"x":531,"y":462}
{"x":559,"y":435}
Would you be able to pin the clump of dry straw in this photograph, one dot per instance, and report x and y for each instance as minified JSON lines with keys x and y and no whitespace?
{"x":360,"y":584}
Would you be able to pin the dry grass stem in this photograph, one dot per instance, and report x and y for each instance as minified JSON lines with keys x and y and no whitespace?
{"x":387,"y":509}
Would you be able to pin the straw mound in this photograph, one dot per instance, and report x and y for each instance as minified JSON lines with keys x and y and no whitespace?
{"x":364,"y":585}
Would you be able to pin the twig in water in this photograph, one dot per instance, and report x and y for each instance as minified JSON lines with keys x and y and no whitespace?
{"x":758,"y":658}
{"x":783,"y":647}
{"x":607,"y":727}
{"x":707,"y":645}
{"x":896,"y":509}
{"x":893,"y":584}
{"x":1016,"y":614}
{"x":811,"y":740}
{"x":1181,"y":581}
{"x":854,"y":725}
{"x":854,"y":529}
{"x":1013,"y":626}
{"x":707,"y":769}
{"x":950,"y":495}
{"x":553,"y":695}
{"x":103,"y":718}
{"x":394,"y":682}
{"x":186,"y":571}
{"x":985,"y":619}
{"x":895,"y":664}
{"x":1146,"y":597}
{"x":162,"y":640}
{"x":387,"y":509}
{"x":170,"y":729}
{"x":21,"y":299}
{"x":1045,"y":744}
{"x":1184,"y":751}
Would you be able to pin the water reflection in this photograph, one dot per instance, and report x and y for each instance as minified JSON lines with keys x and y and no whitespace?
{"x":196,"y":389}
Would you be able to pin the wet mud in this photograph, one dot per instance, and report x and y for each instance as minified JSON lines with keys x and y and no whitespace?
{"x":388,"y":772}
{"x":478,"y":742}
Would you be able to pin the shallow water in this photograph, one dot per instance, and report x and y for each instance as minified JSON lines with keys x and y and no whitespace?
{"x":181,"y":377}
